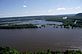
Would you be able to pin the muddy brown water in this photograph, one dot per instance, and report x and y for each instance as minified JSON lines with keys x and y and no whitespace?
{"x":41,"y":38}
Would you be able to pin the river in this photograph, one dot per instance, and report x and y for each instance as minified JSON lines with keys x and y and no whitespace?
{"x":41,"y":38}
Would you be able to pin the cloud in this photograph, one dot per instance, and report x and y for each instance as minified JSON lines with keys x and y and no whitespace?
{"x":61,"y":9}
{"x":50,"y":10}
{"x":74,"y":8}
{"x":69,"y":9}
{"x":77,"y":7}
{"x":24,"y":6}
{"x":64,"y":10}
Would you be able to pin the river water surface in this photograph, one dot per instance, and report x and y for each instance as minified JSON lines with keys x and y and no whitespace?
{"x":41,"y":38}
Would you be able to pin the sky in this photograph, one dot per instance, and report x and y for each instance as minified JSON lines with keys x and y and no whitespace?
{"x":13,"y":8}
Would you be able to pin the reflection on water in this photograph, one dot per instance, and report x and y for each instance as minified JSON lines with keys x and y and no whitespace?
{"x":41,"y":38}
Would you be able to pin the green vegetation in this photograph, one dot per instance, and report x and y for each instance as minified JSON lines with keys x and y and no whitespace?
{"x":54,"y":19}
{"x":20,"y":26}
{"x":7,"y":50}
{"x":70,"y":21}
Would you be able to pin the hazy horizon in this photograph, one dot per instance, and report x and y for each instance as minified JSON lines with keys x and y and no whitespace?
{"x":14,"y":8}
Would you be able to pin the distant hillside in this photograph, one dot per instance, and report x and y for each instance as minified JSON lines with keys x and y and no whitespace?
{"x":79,"y":15}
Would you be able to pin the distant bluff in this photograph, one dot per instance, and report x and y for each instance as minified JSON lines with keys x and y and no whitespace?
{"x":79,"y":15}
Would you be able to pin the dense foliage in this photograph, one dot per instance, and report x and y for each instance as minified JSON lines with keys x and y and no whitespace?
{"x":8,"y":50}
{"x":20,"y":26}
{"x":70,"y":21}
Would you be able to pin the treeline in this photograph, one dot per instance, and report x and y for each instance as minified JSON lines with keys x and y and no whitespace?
{"x":20,"y":26}
{"x":7,"y":50}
